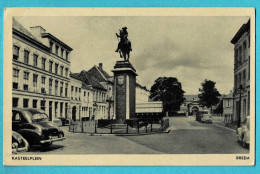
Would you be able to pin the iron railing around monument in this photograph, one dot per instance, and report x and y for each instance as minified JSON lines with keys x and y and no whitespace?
{"x":129,"y":126}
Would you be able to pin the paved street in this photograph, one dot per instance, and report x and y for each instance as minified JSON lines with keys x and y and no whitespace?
{"x":186,"y":137}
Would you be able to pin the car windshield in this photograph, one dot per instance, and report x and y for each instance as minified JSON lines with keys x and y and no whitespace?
{"x":39,"y":117}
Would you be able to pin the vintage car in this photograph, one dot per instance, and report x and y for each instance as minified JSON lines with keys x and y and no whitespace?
{"x":206,"y":118}
{"x":243,"y":132}
{"x":35,"y":127}
{"x":64,"y":121}
{"x":19,"y":143}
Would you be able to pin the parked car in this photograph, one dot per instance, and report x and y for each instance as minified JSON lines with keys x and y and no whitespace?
{"x":206,"y":118}
{"x":64,"y":121}
{"x":243,"y":132}
{"x":200,"y":114}
{"x":35,"y":127}
{"x":19,"y":143}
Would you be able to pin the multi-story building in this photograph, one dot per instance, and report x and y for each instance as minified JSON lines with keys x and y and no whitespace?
{"x":81,"y":102}
{"x":86,"y":86}
{"x":41,"y":64}
{"x":241,"y":42}
{"x":228,"y":105}
{"x":142,"y":94}
{"x":106,"y":81}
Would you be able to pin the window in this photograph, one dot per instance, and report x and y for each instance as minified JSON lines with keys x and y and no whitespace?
{"x":43,"y":63}
{"x":56,"y":87}
{"x":51,"y":45}
{"x":56,"y":68}
{"x":76,"y":95}
{"x":66,"y":90}
{"x":26,"y":78}
{"x":67,"y":55}
{"x":72,"y":88}
{"x":35,"y":80}
{"x":61,"y":70}
{"x":26,"y":57}
{"x":244,"y":51}
{"x":249,"y":41}
{"x":15,"y":78}
{"x":50,"y":86}
{"x":15,"y":52}
{"x":236,"y":57}
{"x":240,"y":55}
{"x":15,"y":102}
{"x":79,"y":93}
{"x":88,"y":97}
{"x":61,"y":52}
{"x":25,"y":103}
{"x":57,"y":49}
{"x":43,"y":85}
{"x":244,"y":78}
{"x":66,"y":72}
{"x":34,"y":103}
{"x":50,"y":66}
{"x":61,"y":88}
{"x":43,"y":104}
{"x":35,"y":60}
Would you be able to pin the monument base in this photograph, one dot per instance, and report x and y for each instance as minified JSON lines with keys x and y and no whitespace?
{"x":124,"y":90}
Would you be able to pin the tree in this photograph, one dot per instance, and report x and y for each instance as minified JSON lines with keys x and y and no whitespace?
{"x":169,"y":91}
{"x":209,"y":94}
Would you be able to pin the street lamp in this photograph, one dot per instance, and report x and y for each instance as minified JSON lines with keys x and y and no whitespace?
{"x":239,"y":91}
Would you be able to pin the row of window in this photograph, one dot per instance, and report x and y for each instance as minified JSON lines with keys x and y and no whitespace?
{"x":240,"y":53}
{"x":43,"y":62}
{"x":35,"y":102}
{"x":35,"y":84}
{"x":240,"y":79}
{"x":76,"y":94}
{"x":59,"y":51}
{"x":99,"y":96}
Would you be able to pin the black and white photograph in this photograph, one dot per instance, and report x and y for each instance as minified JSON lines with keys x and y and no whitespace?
{"x":135,"y":84}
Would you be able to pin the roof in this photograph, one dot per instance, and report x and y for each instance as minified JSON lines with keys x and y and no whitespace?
{"x":142,"y":87}
{"x":17,"y":26}
{"x":244,"y":28}
{"x":20,"y":30}
{"x":100,"y":74}
{"x":104,"y":72}
{"x":87,"y":79}
{"x":57,"y":40}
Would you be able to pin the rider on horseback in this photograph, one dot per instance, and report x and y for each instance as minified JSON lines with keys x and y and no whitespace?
{"x":123,"y":34}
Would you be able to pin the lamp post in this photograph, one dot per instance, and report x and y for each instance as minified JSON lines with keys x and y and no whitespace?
{"x":239,"y":91}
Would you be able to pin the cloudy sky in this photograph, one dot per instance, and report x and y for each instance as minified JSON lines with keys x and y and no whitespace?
{"x":189,"y":48}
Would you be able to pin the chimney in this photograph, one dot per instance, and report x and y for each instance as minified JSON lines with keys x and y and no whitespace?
{"x":100,"y":65}
{"x":37,"y":31}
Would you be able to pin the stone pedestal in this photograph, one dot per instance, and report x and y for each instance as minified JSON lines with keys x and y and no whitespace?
{"x":124,"y":90}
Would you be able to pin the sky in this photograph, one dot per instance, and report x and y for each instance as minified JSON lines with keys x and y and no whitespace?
{"x":191,"y":49}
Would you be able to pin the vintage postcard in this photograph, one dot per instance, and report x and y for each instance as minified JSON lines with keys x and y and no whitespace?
{"x":129,"y":86}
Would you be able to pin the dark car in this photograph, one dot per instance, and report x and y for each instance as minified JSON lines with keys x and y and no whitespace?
{"x":64,"y":121}
{"x":35,"y":127}
{"x":19,"y":143}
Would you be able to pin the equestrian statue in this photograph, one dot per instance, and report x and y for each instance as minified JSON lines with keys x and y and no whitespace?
{"x":124,"y":46}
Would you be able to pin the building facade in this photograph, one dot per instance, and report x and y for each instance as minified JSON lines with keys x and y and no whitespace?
{"x":228,"y":106}
{"x":41,"y":65}
{"x":142,"y":94}
{"x":241,"y":95}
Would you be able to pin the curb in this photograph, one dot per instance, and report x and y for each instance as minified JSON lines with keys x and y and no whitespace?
{"x":224,"y":127}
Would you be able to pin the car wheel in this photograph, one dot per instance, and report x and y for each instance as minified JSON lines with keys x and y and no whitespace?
{"x":45,"y":145}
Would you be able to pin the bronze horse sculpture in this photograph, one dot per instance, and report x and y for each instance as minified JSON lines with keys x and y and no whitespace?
{"x":124,"y":46}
